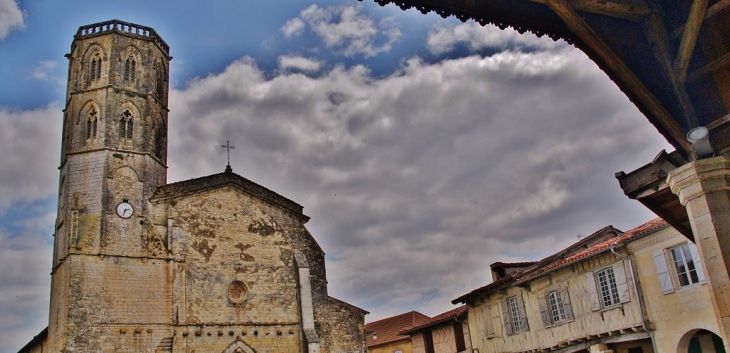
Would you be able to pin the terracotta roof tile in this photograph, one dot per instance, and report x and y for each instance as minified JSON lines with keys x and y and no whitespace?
{"x":604,"y":246}
{"x":438,"y":319}
{"x":566,"y":257}
{"x":387,"y":329}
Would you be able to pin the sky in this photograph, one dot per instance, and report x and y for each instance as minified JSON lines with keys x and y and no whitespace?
{"x":423,"y":149}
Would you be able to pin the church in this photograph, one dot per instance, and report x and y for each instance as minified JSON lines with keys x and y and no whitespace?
{"x":212,"y":264}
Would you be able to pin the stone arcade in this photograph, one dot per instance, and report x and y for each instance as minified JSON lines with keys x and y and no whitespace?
{"x":213,"y":264}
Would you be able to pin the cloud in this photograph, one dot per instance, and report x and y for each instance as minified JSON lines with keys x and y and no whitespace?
{"x":25,"y":280}
{"x":345,"y":30}
{"x":414,"y":177}
{"x":30,"y":141}
{"x":444,"y":38}
{"x":293,"y":27}
{"x":45,"y":71}
{"x":290,"y":62}
{"x":11,"y":17}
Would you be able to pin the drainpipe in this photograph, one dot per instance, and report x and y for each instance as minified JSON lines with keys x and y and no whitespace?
{"x":642,"y":305}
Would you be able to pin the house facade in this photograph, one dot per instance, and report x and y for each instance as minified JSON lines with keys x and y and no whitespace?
{"x":638,"y":291}
{"x":444,"y":333}
{"x":383,"y":336}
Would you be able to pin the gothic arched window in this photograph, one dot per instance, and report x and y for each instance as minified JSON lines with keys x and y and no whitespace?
{"x":95,"y":67}
{"x":160,"y":81}
{"x":92,"y":122}
{"x":160,"y":139}
{"x":126,"y":125}
{"x":130,"y":66}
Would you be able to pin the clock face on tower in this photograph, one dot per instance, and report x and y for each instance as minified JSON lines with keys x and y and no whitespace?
{"x":125,"y":210}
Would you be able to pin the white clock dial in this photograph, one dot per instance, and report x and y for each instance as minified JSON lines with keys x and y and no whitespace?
{"x":125,"y":210}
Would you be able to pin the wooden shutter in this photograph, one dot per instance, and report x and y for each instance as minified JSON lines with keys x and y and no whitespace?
{"x":566,"y":304}
{"x":522,"y":313}
{"x":489,"y":320}
{"x":544,"y":312}
{"x":592,"y":291}
{"x":662,"y":271}
{"x":624,"y":295}
{"x":697,"y":260}
{"x":506,"y":317}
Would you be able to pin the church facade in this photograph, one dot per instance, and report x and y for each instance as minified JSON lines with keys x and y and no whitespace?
{"x":213,"y":264}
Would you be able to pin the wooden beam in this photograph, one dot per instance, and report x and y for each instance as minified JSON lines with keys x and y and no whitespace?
{"x":654,"y":30}
{"x":721,"y":61}
{"x":630,"y":10}
{"x":576,"y":24}
{"x":689,"y":38}
{"x":711,"y":11}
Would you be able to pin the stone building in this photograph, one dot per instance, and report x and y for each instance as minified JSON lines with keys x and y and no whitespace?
{"x":639,"y":291}
{"x":213,"y":264}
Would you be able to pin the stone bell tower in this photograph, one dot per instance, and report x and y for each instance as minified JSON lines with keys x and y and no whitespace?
{"x":113,"y":158}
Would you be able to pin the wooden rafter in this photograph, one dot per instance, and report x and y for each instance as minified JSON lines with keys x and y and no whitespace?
{"x":578,"y":26}
{"x":630,"y":10}
{"x":711,"y":11}
{"x":689,"y":38}
{"x":656,"y":33}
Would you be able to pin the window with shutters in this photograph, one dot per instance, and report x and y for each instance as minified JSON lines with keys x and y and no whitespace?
{"x":689,"y":272}
{"x":555,"y":308}
{"x":513,"y":312}
{"x":687,"y":267}
{"x":608,"y":287}
{"x":608,"y":292}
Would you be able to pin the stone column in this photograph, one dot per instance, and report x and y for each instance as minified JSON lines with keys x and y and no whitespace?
{"x":703,"y":187}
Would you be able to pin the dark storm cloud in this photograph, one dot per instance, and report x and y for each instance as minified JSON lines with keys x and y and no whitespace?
{"x":418,"y":180}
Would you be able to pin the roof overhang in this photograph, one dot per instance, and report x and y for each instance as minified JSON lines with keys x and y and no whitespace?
{"x":648,"y":185}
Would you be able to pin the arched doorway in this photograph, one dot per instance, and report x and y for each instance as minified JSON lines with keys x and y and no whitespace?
{"x":700,"y":341}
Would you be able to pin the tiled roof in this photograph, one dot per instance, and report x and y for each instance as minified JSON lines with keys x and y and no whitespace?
{"x":387,"y":329}
{"x":484,"y":289}
{"x":634,"y":233}
{"x":512,"y":264}
{"x":567,"y":256}
{"x":438,"y":319}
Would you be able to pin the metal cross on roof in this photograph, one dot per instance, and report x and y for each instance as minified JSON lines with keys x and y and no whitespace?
{"x":228,"y":148}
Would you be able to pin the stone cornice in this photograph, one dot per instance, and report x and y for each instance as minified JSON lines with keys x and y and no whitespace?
{"x":699,"y":178}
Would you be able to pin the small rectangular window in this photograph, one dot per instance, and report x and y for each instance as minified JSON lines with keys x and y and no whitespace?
{"x":689,"y":272}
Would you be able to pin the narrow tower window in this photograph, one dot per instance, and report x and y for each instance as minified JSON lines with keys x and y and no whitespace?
{"x":91,"y":124}
{"x":129,"y":68}
{"x":95,"y":67}
{"x":126,"y":125}
{"x":160,"y":81}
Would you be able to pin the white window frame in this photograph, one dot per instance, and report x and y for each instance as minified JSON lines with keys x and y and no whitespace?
{"x":514,"y":315}
{"x":556,"y":308}
{"x":618,"y":281}
{"x":607,"y":288}
{"x":687,"y":268}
